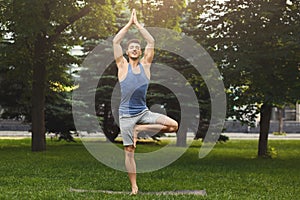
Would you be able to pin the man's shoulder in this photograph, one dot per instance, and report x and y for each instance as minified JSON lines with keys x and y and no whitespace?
{"x":145,"y":64}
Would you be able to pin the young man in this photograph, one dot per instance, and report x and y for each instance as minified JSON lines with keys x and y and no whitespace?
{"x":134,"y":76}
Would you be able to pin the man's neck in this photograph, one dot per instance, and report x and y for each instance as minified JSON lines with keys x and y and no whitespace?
{"x":134,"y":63}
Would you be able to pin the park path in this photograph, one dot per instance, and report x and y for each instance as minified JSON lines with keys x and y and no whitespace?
{"x":232,"y":136}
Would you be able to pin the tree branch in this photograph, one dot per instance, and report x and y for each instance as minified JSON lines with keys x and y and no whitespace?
{"x":83,"y":12}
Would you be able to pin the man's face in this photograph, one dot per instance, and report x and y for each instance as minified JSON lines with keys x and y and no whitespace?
{"x":134,"y":51}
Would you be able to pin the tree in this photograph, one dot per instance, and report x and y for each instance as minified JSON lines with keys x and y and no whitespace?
{"x":257,"y":48}
{"x":42,"y":31}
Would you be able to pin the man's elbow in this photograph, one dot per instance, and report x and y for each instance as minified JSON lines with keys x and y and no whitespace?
{"x":116,"y":41}
{"x":151,"y":42}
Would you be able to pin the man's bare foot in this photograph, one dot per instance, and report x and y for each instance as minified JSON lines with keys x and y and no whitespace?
{"x":135,"y":135}
{"x":134,"y":190}
{"x":134,"y":141}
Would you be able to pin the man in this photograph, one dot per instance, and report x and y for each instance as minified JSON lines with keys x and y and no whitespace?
{"x":134,"y":76}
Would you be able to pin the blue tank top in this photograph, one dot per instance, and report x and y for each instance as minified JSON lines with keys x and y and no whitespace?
{"x":133,"y":92}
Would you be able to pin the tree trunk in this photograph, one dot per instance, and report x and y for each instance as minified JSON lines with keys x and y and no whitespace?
{"x":181,"y":137}
{"x":298,"y":112}
{"x":38,"y":97}
{"x":280,"y":120}
{"x":265,"y":117}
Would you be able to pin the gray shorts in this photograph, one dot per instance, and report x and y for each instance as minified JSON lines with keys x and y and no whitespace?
{"x":127,"y":124}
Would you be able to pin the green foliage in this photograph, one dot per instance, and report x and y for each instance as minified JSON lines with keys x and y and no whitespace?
{"x":40,"y":34}
{"x":165,"y":14}
{"x":272,"y":152}
{"x":256,"y":47}
{"x":58,"y":112}
{"x":279,"y":133}
{"x":149,"y":13}
{"x":254,"y":43}
{"x":108,"y":112}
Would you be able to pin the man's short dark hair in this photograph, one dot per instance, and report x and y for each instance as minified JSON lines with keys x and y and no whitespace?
{"x":133,"y":41}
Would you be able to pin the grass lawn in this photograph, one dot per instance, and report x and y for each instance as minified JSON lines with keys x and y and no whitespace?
{"x":230,"y":171}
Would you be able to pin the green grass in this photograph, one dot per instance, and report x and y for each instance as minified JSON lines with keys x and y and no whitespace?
{"x":230,"y":171}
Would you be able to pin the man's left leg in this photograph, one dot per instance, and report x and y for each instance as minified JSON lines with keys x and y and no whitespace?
{"x":131,"y":168}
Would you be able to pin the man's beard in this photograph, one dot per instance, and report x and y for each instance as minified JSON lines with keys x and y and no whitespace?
{"x":134,"y":58}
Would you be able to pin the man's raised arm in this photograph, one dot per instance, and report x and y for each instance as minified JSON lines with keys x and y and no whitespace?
{"x":118,"y":52}
{"x":149,"y":50}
